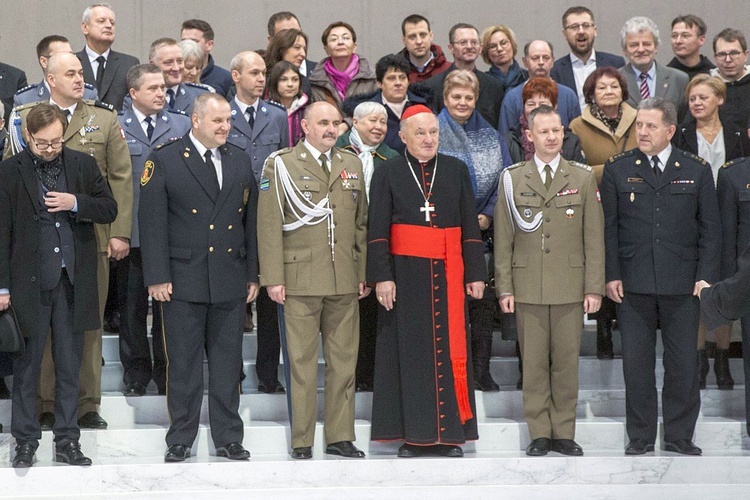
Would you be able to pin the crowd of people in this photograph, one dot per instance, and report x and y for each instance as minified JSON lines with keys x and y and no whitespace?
{"x":531,"y":194}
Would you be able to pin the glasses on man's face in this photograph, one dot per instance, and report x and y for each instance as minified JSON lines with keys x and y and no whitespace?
{"x":578,"y":26}
{"x":465,"y":43}
{"x":734,"y":54}
{"x":44,"y":145}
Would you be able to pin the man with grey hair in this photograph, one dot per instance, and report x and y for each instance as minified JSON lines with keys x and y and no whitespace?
{"x":662,"y":237}
{"x":199,"y":254}
{"x":103,"y":67}
{"x":646,"y":78}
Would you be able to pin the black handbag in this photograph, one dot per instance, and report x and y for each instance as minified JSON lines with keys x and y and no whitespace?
{"x":11,"y":339}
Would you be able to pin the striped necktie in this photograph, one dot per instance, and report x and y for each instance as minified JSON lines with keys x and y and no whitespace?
{"x":645,"y":93}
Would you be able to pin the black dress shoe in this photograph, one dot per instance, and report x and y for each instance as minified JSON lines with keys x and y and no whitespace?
{"x":448,"y":450}
{"x":566,"y":447}
{"x":177,"y":453}
{"x":538,"y":447}
{"x":271,"y":388}
{"x":683,"y":447}
{"x":344,"y":449}
{"x":92,"y":420}
{"x":134,"y":389}
{"x":4,"y":391}
{"x":302,"y":453}
{"x":233,"y":451}
{"x":47,"y":420}
{"x":24,"y":456}
{"x":638,"y":447}
{"x":71,"y":453}
{"x":407,"y":450}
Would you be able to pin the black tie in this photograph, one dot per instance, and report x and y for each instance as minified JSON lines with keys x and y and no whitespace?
{"x":66,"y":112}
{"x":149,"y":127}
{"x":100,"y":73}
{"x":657,"y":170}
{"x":171,"y":95}
{"x":251,"y":116}
{"x":212,"y":168}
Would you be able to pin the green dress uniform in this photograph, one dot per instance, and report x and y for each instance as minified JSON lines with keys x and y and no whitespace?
{"x":321,"y":265}
{"x":93,"y":129}
{"x":549,"y":252}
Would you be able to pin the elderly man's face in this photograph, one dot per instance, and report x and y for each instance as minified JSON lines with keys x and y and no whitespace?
{"x":653,"y":134}
{"x":640,"y":49}
{"x":372,"y":128}
{"x":420,"y":134}
{"x":321,"y":126}
{"x":212,"y":126}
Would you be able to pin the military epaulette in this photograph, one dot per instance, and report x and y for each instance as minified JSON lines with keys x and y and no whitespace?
{"x":736,"y":161}
{"x":89,"y":86}
{"x":175,"y":111}
{"x":99,"y":104}
{"x":516,"y":165}
{"x":27,"y":87}
{"x":201,"y":86}
{"x":280,"y":152}
{"x":619,"y":156}
{"x":277,"y":104}
{"x":26,"y":106}
{"x":174,"y":139}
{"x":344,"y":150}
{"x":697,"y":158}
{"x":581,"y":165}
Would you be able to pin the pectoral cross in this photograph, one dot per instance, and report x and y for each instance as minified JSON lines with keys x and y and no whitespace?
{"x":427,"y":209}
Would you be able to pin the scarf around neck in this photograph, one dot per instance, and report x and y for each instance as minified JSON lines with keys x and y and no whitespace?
{"x":611,"y":123}
{"x":364,"y":152}
{"x":341,"y":79}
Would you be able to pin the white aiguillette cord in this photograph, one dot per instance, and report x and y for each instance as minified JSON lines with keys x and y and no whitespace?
{"x":304,"y":210}
{"x":528,"y":227}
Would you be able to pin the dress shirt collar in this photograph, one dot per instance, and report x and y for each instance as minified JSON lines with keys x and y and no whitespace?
{"x":316,"y":153}
{"x":540,"y":165}
{"x":202,"y":149}
{"x":93,"y":55}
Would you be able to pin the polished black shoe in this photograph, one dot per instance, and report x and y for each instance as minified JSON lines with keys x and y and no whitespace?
{"x":538,"y":447}
{"x":724,"y":379}
{"x":566,"y":447}
{"x":271,"y":388}
{"x":134,"y":389}
{"x":483,"y":382}
{"x":364,"y":387}
{"x":302,"y":453}
{"x":92,"y":420}
{"x":47,"y":420}
{"x":344,"y":449}
{"x":604,"y":339}
{"x":683,"y":447}
{"x":519,"y":382}
{"x":233,"y":451}
{"x":409,"y":451}
{"x":448,"y":450}
{"x":71,"y":453}
{"x":638,"y":447}
{"x":24,"y":456}
{"x":177,"y":453}
{"x":4,"y":391}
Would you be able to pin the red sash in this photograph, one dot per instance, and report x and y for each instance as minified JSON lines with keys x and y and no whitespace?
{"x":443,"y":244}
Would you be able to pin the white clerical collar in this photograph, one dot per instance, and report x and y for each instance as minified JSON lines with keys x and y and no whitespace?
{"x":93,"y":55}
{"x":202,"y":149}
{"x":553,"y":165}
{"x":316,"y":153}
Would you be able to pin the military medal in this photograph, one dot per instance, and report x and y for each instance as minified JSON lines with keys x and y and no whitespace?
{"x":527,"y":213}
{"x":307,"y":195}
{"x":426,"y":208}
{"x":569,"y":213}
{"x":632,"y":197}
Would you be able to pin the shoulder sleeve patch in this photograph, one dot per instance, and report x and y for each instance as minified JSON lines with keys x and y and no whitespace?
{"x":148,"y":172}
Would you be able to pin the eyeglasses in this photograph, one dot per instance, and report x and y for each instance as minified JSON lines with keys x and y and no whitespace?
{"x":500,"y":45}
{"x":464,"y":43}
{"x":578,"y":26}
{"x":731,"y":55}
{"x":47,"y":145}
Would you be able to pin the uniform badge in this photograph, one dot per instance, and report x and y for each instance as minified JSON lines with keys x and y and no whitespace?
{"x":355,"y":195}
{"x":527,"y":213}
{"x":122,"y":132}
{"x":128,"y":121}
{"x":234,"y":112}
{"x":307,"y":195}
{"x":148,"y":171}
{"x":569,"y":213}
{"x":264,"y":184}
{"x":245,"y":196}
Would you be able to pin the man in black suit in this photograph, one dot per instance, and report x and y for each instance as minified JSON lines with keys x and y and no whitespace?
{"x":12,"y":80}
{"x":48,"y":265}
{"x":662,"y":236}
{"x":572,"y":70}
{"x":198,"y":245}
{"x":103,"y":67}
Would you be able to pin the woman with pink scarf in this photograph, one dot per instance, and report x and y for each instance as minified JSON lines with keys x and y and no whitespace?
{"x":343,"y":73}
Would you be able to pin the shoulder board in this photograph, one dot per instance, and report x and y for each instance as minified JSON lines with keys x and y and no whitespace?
{"x":99,"y":104}
{"x":280,"y":152}
{"x":344,"y":150}
{"x":516,"y":165}
{"x":736,"y":161}
{"x":27,"y":87}
{"x":26,"y":106}
{"x":89,"y":86}
{"x":174,"y":139}
{"x":175,"y":111}
{"x":201,"y":86}
{"x":624,"y":154}
{"x":694,"y":157}
{"x":581,"y":165}
{"x":277,"y":104}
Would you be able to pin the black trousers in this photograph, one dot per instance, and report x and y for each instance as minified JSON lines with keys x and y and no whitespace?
{"x":135,"y":352}
{"x":192,"y":330}
{"x":678,"y":316}
{"x":269,"y":342}
{"x":55,"y":313}
{"x":368,"y":330}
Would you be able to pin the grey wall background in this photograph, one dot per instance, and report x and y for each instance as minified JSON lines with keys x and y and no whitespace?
{"x":241,"y":24}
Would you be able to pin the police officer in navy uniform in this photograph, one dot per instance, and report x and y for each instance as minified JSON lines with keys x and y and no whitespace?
{"x":259,"y":135}
{"x":167,"y":54}
{"x":46,"y":48}
{"x":197,"y":219}
{"x":146,"y":125}
{"x":662,"y":236}
{"x":733,"y":191}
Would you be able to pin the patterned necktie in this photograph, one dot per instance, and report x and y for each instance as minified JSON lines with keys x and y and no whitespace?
{"x":547,"y":176}
{"x":171,"y":95}
{"x":645,"y":93}
{"x":212,"y":168}
{"x":48,"y":172}
{"x":250,"y":116}
{"x":657,"y":170}
{"x":100,"y":73}
{"x":149,"y":127}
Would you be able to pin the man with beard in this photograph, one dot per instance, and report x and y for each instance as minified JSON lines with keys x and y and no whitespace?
{"x":424,"y":247}
{"x":580,"y":32}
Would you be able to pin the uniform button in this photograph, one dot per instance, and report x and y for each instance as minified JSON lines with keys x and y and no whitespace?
{"x":33,"y":249}
{"x":210,"y":249}
{"x":546,"y":220}
{"x":307,"y":185}
{"x":546,"y":235}
{"x":546,"y":250}
{"x":546,"y":205}
{"x":230,"y":227}
{"x":331,"y":190}
{"x":658,"y":240}
{"x":333,"y":206}
{"x":657,"y":224}
{"x":33,"y":279}
{"x":36,"y":217}
{"x":240,"y":210}
{"x":658,"y":194}
{"x":57,"y":224}
{"x":229,"y":250}
{"x":658,"y":210}
{"x":194,"y":211}
{"x":211,"y":227}
{"x":57,"y":250}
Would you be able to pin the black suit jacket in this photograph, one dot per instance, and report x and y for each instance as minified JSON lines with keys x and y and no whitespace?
{"x":728,"y":300}
{"x":733,"y":191}
{"x":114,"y":81}
{"x":12,"y":80}
{"x":736,"y":142}
{"x":661,"y":236}
{"x":20,"y":236}
{"x":204,"y":244}
{"x":562,"y":70}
